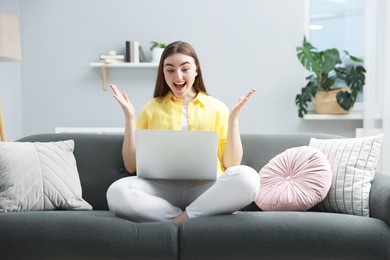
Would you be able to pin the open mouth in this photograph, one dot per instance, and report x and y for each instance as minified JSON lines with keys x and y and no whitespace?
{"x":179,"y":85}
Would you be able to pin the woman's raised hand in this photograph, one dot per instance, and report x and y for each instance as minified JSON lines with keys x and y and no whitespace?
{"x":128,"y":150}
{"x":234,"y":113}
{"x":124,"y":101}
{"x":233,"y":151}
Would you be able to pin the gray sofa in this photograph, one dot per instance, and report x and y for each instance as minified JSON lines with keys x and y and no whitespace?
{"x":252,"y":234}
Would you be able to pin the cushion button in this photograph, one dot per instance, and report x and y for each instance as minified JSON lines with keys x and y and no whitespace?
{"x":121,"y":170}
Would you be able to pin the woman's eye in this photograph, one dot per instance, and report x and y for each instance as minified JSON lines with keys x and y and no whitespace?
{"x":170,"y":71}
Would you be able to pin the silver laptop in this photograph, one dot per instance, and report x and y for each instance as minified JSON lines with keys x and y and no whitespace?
{"x":181,"y":155}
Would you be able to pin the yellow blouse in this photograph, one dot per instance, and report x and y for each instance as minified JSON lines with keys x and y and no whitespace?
{"x":205,"y":113}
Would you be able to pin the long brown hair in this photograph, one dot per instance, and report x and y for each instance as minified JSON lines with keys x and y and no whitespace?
{"x":161,"y":87}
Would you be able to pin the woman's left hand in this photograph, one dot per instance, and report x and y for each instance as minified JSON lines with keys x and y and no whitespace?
{"x":234,"y":113}
{"x":233,"y":151}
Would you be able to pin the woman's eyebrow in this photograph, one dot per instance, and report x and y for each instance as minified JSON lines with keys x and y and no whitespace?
{"x":184,"y":63}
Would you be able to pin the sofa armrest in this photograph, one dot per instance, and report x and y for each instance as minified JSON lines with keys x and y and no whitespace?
{"x":380,"y":198}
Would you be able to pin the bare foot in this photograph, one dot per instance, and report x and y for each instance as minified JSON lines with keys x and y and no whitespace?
{"x":180,"y":218}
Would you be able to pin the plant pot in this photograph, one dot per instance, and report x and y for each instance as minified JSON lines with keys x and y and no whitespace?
{"x":325,"y":102}
{"x":156,"y":53}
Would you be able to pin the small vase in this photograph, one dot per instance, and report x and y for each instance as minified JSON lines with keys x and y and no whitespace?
{"x":325,"y":102}
{"x":156,"y":53}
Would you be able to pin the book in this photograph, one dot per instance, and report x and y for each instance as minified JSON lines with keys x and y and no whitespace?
{"x":107,"y":56}
{"x":128,"y":52}
{"x":142,"y":57}
{"x":135,"y":53}
{"x":108,"y":60}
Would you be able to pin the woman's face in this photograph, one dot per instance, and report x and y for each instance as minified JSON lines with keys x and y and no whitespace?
{"x":180,"y":73}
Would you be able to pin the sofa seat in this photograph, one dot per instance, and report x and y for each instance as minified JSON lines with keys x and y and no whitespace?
{"x":284,"y":235}
{"x":94,"y":234}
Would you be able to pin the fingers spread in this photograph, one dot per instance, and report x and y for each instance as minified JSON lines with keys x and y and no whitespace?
{"x":250,"y":93}
{"x":244,"y":99}
{"x":113,"y":87}
{"x":117,"y":94}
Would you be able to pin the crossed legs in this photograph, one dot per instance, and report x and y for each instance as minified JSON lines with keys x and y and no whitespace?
{"x":143,"y":200}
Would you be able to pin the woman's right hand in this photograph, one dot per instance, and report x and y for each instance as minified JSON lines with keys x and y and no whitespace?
{"x":124,"y":101}
{"x":128,"y":149}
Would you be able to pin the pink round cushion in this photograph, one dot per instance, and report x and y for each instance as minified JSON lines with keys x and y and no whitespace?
{"x":296,"y":179}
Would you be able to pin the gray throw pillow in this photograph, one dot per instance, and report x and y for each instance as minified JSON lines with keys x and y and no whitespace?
{"x":39,"y":176}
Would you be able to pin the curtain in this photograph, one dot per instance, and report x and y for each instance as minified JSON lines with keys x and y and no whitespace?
{"x":376,"y":115}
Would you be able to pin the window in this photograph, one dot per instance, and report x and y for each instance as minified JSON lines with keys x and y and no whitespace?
{"x":337,"y":24}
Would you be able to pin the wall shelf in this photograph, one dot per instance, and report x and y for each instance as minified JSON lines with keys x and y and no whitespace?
{"x":355,"y":114}
{"x":104,"y":68}
{"x":350,"y":116}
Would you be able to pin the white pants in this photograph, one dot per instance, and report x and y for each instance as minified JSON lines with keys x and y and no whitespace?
{"x":143,"y":200}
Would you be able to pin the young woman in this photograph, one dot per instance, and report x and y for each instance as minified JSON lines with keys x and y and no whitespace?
{"x":181,"y":102}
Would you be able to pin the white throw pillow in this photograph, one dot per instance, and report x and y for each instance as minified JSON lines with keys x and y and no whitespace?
{"x":353,"y":162}
{"x":39,"y":176}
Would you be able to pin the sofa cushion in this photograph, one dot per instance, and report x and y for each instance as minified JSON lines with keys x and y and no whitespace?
{"x":353,"y":162}
{"x":39,"y":176}
{"x":80,"y":235}
{"x":296,"y":179}
{"x":284,"y":235}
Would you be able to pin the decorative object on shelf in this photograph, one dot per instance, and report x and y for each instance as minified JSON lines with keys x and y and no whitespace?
{"x":112,"y":57}
{"x":325,"y":102}
{"x":157,"y":49}
{"x":346,"y":76}
{"x":9,"y":50}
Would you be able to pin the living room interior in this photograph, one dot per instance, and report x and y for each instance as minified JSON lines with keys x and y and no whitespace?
{"x":59,"y":86}
{"x":241,"y":46}
{"x":54,"y":86}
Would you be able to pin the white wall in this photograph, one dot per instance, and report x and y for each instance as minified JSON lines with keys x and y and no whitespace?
{"x":10,"y":85}
{"x":241,"y":45}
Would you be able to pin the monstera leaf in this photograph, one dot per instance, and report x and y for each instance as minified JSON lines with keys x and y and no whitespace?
{"x":356,"y":78}
{"x":319,"y":63}
{"x":345,"y":99}
{"x":308,"y":56}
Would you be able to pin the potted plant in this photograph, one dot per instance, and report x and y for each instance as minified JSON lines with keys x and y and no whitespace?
{"x":157,"y":49}
{"x":327,"y":73}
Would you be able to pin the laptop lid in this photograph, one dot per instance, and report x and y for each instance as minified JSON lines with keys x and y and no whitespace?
{"x":182,"y":155}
